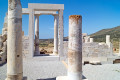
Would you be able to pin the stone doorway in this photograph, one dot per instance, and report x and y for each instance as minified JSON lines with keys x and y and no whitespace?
{"x":44,"y":37}
{"x":34,"y":11}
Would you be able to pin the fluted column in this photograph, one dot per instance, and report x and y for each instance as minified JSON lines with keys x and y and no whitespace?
{"x":55,"y":51}
{"x":37,"y":52}
{"x":14,"y":41}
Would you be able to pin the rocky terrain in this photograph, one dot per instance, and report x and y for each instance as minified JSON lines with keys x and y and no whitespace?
{"x":3,"y":42}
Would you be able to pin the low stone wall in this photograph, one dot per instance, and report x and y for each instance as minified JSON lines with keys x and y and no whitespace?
{"x":25,"y":50}
{"x":65,"y":44}
{"x":96,"y":50}
{"x":93,"y":49}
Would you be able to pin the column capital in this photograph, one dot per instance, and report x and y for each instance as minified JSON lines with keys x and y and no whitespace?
{"x":37,"y":14}
{"x":60,"y":10}
{"x":55,"y":15}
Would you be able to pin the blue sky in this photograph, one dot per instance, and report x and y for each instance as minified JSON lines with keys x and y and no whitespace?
{"x":97,"y":15}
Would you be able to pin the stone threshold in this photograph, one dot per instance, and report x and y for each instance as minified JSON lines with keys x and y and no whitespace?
{"x":46,"y":58}
{"x":66,"y":78}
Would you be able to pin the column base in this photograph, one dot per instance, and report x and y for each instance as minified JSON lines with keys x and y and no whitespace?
{"x":66,"y":78}
{"x":15,"y":77}
{"x":20,"y":76}
{"x":37,"y":53}
{"x":55,"y":52}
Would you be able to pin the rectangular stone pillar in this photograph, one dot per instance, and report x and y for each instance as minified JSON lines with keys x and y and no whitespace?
{"x":14,"y":41}
{"x":55,"y":51}
{"x":37,"y":51}
{"x":91,"y":40}
{"x":110,"y":46}
{"x":61,"y":35}
{"x":31,"y":33}
{"x":108,"y":40}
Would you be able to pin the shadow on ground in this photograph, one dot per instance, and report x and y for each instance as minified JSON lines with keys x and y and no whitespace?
{"x":48,"y":79}
{"x":3,"y":64}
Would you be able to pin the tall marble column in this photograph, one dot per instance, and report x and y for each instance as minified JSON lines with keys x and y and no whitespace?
{"x":75,"y":48}
{"x":61,"y":35}
{"x":31,"y":33}
{"x":55,"y":51}
{"x":37,"y":52}
{"x":14,"y":41}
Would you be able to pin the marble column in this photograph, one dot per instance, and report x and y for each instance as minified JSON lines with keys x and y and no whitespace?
{"x":119,"y":48}
{"x":55,"y":51}
{"x":61,"y":35}
{"x":37,"y":51}
{"x":108,"y":40}
{"x":91,"y":40}
{"x":31,"y":33}
{"x":14,"y":41}
{"x":75,"y":48}
{"x":87,"y":39}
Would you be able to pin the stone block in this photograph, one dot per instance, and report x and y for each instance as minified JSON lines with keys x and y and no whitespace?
{"x":95,"y":62}
{"x":116,"y":61}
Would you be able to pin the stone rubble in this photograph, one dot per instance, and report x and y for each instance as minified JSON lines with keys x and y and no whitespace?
{"x":3,"y":41}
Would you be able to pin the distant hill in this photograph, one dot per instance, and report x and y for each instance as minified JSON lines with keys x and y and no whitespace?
{"x":100,"y":36}
{"x":49,"y":42}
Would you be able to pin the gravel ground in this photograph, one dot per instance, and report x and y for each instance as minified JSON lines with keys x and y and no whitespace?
{"x":37,"y":70}
{"x":48,"y":70}
{"x":102,"y":72}
{"x":3,"y":70}
{"x":43,"y":69}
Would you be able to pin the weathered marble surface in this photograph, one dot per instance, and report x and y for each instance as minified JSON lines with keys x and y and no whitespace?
{"x":14,"y":41}
{"x":75,"y":48}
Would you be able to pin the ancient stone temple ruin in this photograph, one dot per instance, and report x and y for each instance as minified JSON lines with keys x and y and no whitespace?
{"x":30,"y":47}
{"x":37,"y":10}
{"x":93,"y":51}
{"x":80,"y":47}
{"x":3,"y":41}
{"x":14,"y":44}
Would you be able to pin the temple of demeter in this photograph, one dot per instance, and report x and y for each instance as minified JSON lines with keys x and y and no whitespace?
{"x":34,"y":11}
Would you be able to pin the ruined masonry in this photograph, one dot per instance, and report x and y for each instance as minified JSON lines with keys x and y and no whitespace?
{"x":93,"y":51}
{"x":3,"y":41}
{"x":14,"y":43}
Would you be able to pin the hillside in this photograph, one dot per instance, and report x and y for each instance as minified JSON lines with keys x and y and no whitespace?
{"x":100,"y":36}
{"x":48,"y":42}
